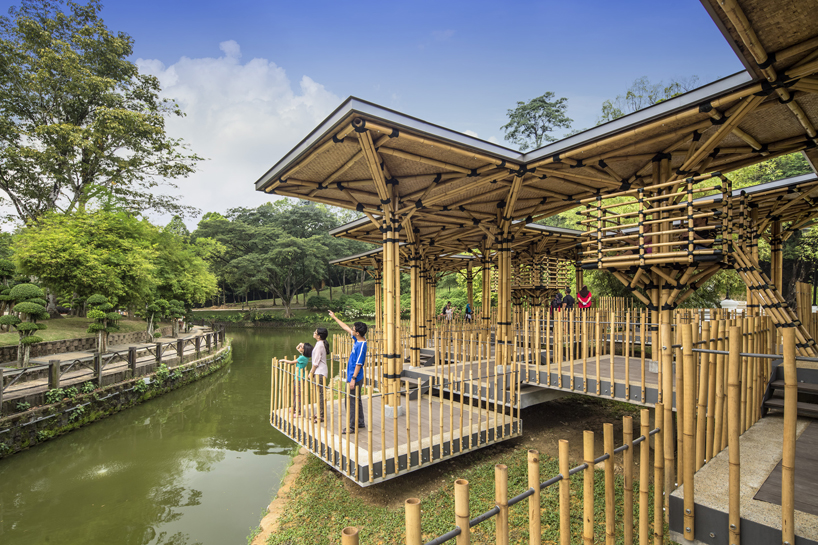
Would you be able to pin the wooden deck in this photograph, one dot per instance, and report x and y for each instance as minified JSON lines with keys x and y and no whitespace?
{"x":575,"y":376}
{"x":430,"y":429}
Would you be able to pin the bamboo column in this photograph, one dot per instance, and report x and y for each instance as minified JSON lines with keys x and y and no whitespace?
{"x":689,"y":422}
{"x":461,"y":511}
{"x":501,"y":501}
{"x":610,"y":509}
{"x":588,"y":489}
{"x":790,"y":421}
{"x":658,"y":477}
{"x":734,"y":430}
{"x":415,"y":309}
{"x":534,"y":533}
{"x":644,"y":476}
{"x":627,"y":461}
{"x":565,"y":495}
{"x":412,"y":510}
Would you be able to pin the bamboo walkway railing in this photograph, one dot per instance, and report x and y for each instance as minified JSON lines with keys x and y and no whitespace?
{"x":707,"y":422}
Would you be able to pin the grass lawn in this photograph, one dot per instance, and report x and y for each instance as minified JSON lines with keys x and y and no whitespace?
{"x":70,"y":328}
{"x":322,"y":504}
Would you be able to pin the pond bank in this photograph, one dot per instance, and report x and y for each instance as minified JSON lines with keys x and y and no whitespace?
{"x":79,"y":408}
{"x":269,"y":524}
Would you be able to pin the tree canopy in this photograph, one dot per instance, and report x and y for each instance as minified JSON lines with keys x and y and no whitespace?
{"x":78,"y":121}
{"x":530,"y":123}
{"x":642,"y":94}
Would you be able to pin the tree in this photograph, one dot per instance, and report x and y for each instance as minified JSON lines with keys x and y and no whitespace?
{"x":174,"y":311}
{"x":104,"y":318}
{"x":261,"y":253}
{"x":77,"y":120}
{"x":30,"y":307}
{"x":530,"y":122}
{"x":642,"y":94}
{"x":90,"y":252}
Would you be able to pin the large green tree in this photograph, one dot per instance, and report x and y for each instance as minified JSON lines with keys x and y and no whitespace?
{"x":282,"y":248}
{"x":78,"y":121}
{"x":90,"y":252}
{"x":530,"y":123}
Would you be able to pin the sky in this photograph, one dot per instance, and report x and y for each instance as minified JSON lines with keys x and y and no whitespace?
{"x":255,"y":77}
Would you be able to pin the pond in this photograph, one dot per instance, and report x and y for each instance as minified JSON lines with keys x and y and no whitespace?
{"x":197,"y":465}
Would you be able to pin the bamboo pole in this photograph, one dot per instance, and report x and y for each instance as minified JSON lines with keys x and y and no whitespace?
{"x":612,"y":318}
{"x":642,"y":340}
{"x":610,"y":509}
{"x":658,"y":477}
{"x":711,"y":392}
{"x":412,"y":511}
{"x":721,"y":377}
{"x":432,"y":382}
{"x":534,"y":533}
{"x":644,"y":477}
{"x":501,"y":501}
{"x":598,"y":348}
{"x":588,"y":489}
{"x":461,"y":511}
{"x":627,"y":462}
{"x":666,"y":341}
{"x":349,"y":536}
{"x":704,"y":384}
{"x":420,"y":420}
{"x":734,"y":430}
{"x":626,"y":341}
{"x":689,"y":423}
{"x":565,"y":494}
{"x":790,"y":422}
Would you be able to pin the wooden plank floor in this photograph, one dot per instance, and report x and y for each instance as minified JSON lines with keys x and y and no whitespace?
{"x":806,"y":475}
{"x":476,"y":429}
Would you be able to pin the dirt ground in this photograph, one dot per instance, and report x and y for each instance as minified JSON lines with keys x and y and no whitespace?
{"x":543,"y":426}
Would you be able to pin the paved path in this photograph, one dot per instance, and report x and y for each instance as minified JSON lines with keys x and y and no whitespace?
{"x":114,"y":361}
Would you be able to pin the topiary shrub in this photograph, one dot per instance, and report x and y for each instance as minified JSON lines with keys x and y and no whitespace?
{"x":104,"y":319}
{"x":29,"y":307}
{"x":316,"y":302}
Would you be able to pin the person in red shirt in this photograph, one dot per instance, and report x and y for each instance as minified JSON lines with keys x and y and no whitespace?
{"x":584,"y":298}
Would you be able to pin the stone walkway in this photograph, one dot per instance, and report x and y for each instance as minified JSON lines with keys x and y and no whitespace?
{"x":117,"y":356}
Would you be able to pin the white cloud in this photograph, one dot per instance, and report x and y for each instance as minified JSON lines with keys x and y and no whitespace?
{"x":243,"y":117}
{"x":470,"y":133}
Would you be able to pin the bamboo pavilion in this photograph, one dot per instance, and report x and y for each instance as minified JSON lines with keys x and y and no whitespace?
{"x":658,"y":211}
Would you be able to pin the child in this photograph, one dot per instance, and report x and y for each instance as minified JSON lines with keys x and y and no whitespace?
{"x":300,"y":370}
{"x":355,"y":371}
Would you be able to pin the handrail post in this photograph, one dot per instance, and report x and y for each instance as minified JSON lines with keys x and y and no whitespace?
{"x":689,"y":421}
{"x":733,"y":432}
{"x":461,"y":511}
{"x":790,"y":421}
{"x":53,"y":374}
{"x":412,"y":508}
{"x":2,"y":386}
{"x":180,"y":350}
{"x":501,"y":500}
{"x":534,"y":533}
{"x":207,"y":341}
{"x":132,"y":360}
{"x":158,"y":353}
{"x":198,"y":344}
{"x":98,"y":368}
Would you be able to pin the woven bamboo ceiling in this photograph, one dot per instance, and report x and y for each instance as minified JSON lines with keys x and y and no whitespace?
{"x":451,"y":192}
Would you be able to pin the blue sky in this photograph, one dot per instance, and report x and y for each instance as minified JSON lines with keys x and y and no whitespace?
{"x":255,"y":77}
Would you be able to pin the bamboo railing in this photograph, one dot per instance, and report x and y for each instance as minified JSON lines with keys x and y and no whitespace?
{"x":720,"y":376}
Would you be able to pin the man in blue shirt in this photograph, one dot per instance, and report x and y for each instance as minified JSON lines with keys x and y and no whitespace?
{"x":355,"y":370}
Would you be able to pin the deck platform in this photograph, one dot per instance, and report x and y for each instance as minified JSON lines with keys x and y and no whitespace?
{"x":428,"y":429}
{"x":761,"y":453}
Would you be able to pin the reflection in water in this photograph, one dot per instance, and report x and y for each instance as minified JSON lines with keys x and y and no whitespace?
{"x":197,"y":465}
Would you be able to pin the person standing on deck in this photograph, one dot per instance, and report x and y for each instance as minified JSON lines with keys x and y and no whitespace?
{"x":355,"y":371}
{"x":584,"y":298}
{"x":469,"y":312}
{"x":568,"y":302}
{"x":319,"y":367}
{"x":556,"y":303}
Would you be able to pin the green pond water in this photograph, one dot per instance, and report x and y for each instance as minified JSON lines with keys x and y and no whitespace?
{"x":197,"y":465}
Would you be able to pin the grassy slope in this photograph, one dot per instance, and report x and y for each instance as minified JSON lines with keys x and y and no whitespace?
{"x":336,"y":292}
{"x":321,"y":506}
{"x":70,"y":328}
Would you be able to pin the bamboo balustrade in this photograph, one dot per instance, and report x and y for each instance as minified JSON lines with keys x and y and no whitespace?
{"x":711,"y":419}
